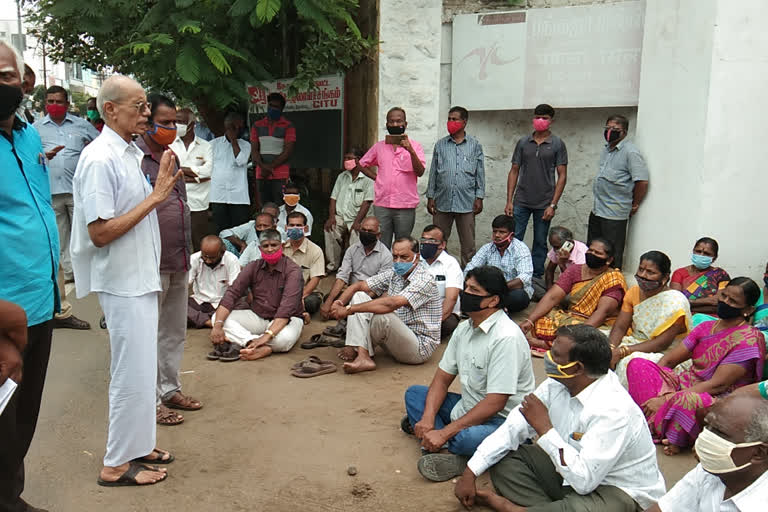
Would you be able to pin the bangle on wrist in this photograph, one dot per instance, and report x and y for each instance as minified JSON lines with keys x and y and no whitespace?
{"x":529,"y":321}
{"x":218,"y":322}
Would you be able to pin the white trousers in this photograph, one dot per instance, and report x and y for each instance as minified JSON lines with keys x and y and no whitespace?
{"x":171,"y":332}
{"x":368,"y":330}
{"x":132,"y":325}
{"x":243,"y":325}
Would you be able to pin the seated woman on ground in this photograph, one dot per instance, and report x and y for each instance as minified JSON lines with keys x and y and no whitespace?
{"x":565,"y":252}
{"x":657,"y":315}
{"x":726,"y":354}
{"x":594,"y":289}
{"x":700,"y":281}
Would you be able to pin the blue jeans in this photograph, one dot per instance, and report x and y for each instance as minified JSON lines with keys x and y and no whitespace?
{"x":467,"y":440}
{"x":540,"y":234}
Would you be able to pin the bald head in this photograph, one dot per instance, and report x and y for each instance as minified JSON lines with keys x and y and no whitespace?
{"x":123,"y":106}
{"x":211,"y":244}
{"x":370,"y":223}
{"x":116,"y":89}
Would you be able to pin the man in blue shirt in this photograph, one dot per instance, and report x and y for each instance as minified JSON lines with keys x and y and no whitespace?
{"x":29,"y":259}
{"x":456,"y":185}
{"x":64,"y":136}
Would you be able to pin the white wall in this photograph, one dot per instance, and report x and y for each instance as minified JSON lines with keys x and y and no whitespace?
{"x":700,"y":121}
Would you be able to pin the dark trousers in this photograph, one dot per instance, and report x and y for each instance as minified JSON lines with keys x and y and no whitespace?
{"x":540,"y":235}
{"x":200,"y":227}
{"x":394,"y":223}
{"x":271,"y":191}
{"x":614,"y":231}
{"x":227,"y":215}
{"x":18,"y":421}
{"x":198,"y":314}
{"x":516,"y":300}
{"x":528,"y":478}
{"x":448,"y":325}
{"x":465,"y":225}
{"x":312,"y":302}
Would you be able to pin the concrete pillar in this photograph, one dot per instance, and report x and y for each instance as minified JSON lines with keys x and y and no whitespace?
{"x":701,"y":128}
{"x":409,"y":68}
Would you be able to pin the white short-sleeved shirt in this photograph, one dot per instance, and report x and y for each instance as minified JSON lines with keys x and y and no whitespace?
{"x":448,"y":274}
{"x":493,"y":357}
{"x":229,"y":181}
{"x":210,"y":284}
{"x":109,"y":183}
{"x":704,"y":492}
{"x":198,"y":157}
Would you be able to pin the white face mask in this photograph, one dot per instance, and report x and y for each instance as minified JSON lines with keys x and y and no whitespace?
{"x":181,"y":129}
{"x":715,"y":453}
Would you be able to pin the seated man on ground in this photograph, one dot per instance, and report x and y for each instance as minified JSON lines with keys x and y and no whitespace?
{"x":211,"y":271}
{"x":252,"y":251}
{"x":700,"y":281}
{"x":291,"y":196}
{"x":513,"y":258}
{"x":566,"y":251}
{"x":363,"y":259}
{"x":404,"y":318}
{"x":593,"y":452}
{"x":657,"y":315}
{"x":594,"y":290}
{"x":274,"y":321}
{"x":448,"y":275}
{"x":733,"y":452}
{"x":726,"y":354}
{"x":308,"y":256}
{"x":490,"y":355}
{"x":236,"y":239}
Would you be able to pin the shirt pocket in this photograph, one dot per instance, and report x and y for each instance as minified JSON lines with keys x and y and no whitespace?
{"x":358,"y":195}
{"x":478,"y":373}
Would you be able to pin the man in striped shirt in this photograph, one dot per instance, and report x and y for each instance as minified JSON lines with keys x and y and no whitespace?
{"x":457,"y":182}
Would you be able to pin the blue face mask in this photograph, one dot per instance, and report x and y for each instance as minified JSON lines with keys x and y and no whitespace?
{"x":700,"y":261}
{"x":295,"y":233}
{"x":274,"y":113}
{"x":402,"y":267}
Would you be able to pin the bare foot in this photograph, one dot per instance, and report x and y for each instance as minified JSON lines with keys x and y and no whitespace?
{"x":347,"y":354}
{"x":669,"y":448}
{"x":361,"y":364}
{"x":307,"y":319}
{"x":144,"y":477}
{"x":158,"y":455}
{"x":252,"y":354}
{"x":487,"y":497}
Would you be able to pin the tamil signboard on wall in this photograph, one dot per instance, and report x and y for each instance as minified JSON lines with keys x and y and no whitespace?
{"x":328,"y":94}
{"x":587,"y":56}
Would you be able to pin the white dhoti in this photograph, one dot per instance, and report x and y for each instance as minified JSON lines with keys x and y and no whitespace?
{"x":368,"y":330}
{"x":132,"y":325}
{"x":243,"y":325}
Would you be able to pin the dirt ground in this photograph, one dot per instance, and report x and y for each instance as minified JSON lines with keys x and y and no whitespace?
{"x":265,"y":441}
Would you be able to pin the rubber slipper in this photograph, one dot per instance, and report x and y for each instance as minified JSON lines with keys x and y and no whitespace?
{"x":232,"y":354}
{"x":164,"y":417}
{"x":170,"y":458}
{"x":129,"y":477}
{"x":336,"y":331}
{"x":313,"y":342}
{"x":185,"y":399}
{"x":310,"y":359}
{"x":309,"y":370}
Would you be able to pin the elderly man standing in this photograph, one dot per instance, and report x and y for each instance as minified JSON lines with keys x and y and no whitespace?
{"x":404,"y":318}
{"x":229,"y":197}
{"x":400,"y":163}
{"x":64,"y":136}
{"x":29,"y":260}
{"x":174,"y":221}
{"x":274,"y":321}
{"x":196,"y":158}
{"x":456,"y":185}
{"x":116,"y":251}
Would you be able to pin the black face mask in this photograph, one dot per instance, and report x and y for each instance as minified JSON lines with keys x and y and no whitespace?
{"x":367,"y":239}
{"x":647,"y":285}
{"x":10,"y":99}
{"x":611,"y":135}
{"x":470,"y":302}
{"x":726,"y":311}
{"x":593,"y":261}
{"x":396,"y":130}
{"x":428,"y":251}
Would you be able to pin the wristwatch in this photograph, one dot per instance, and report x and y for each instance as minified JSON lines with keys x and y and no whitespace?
{"x":553,"y":206}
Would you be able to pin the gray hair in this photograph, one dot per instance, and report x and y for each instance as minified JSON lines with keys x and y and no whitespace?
{"x":561,"y":233}
{"x":270,"y":234}
{"x":17,"y":56}
{"x":757,"y":429}
{"x":112,"y":90}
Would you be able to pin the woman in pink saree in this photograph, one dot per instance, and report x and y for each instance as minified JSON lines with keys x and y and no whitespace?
{"x":726,"y":354}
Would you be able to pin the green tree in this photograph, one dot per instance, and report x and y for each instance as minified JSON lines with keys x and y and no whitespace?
{"x":204,"y":51}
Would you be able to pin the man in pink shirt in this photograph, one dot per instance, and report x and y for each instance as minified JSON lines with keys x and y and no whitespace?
{"x":400,"y":165}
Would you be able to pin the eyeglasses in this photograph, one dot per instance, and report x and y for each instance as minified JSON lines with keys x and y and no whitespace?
{"x":140,"y":107}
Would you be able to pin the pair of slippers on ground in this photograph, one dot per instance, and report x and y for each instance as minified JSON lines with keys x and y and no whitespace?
{"x":225,"y":352}
{"x":330,"y":337}
{"x":312,"y":366}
